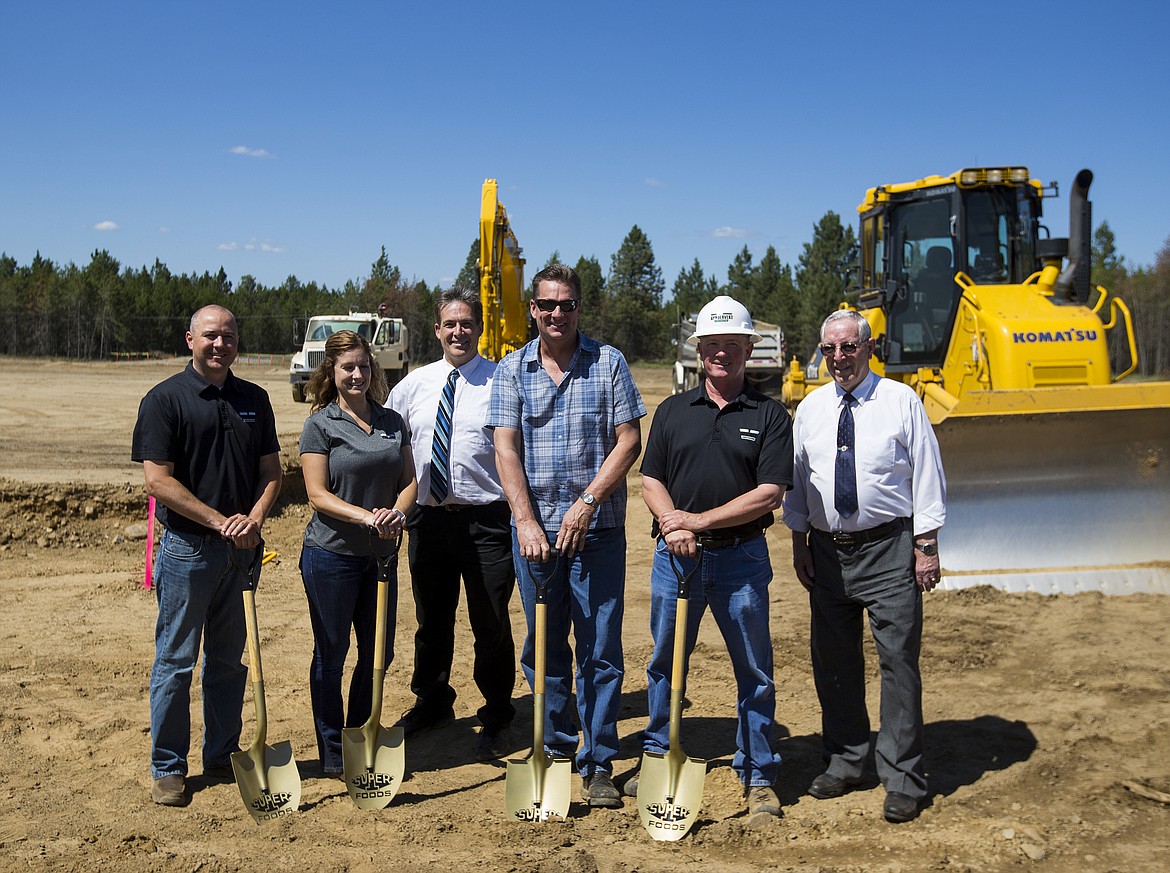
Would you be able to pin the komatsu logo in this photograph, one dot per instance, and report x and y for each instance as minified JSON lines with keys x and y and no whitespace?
{"x":368,"y":781}
{"x":1054,"y":336}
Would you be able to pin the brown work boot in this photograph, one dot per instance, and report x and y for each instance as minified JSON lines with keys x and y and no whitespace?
{"x":762,"y":801}
{"x":170,"y":790}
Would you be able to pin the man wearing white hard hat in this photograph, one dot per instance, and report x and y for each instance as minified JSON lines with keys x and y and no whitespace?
{"x":718,"y":461}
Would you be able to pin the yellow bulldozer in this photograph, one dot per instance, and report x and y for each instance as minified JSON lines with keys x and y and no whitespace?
{"x":1058,"y":472}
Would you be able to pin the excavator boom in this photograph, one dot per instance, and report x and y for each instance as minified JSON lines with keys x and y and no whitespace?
{"x":501,"y":279}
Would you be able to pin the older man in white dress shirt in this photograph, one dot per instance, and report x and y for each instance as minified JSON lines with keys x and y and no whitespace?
{"x":867,"y":500}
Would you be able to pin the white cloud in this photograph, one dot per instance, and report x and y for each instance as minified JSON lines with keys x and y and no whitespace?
{"x":651,"y":182}
{"x":251,"y":153}
{"x":252,"y":245}
{"x":164,"y":229}
{"x":730,"y":233}
{"x":106,"y":225}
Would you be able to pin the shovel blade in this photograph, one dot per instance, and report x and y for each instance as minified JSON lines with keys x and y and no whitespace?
{"x":538,"y":787}
{"x":269,"y":781}
{"x":670,"y":792}
{"x":373,"y":786}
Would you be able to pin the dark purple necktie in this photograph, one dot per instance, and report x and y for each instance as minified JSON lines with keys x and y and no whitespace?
{"x":845,"y":471}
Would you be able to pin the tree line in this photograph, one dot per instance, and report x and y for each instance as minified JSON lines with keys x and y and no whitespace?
{"x":103,"y":309}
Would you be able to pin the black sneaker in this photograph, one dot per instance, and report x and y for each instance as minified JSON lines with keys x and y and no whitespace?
{"x":599,"y":790}
{"x":495,"y":741}
{"x":419,"y":718}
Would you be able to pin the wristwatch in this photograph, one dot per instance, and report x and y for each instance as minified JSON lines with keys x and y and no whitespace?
{"x":588,"y":499}
{"x":928,"y":549}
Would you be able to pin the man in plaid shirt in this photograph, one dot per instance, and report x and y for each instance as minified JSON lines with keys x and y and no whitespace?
{"x":566,"y":415}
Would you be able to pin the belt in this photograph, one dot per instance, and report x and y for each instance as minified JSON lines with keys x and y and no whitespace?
{"x":725,"y":542}
{"x":857,"y":537}
{"x":463,"y":507}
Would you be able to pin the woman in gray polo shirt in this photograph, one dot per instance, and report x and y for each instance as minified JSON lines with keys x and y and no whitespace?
{"x":359,"y":477}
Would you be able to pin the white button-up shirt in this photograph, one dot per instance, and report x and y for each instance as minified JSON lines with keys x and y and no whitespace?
{"x":899,"y":469}
{"x":473,"y":458}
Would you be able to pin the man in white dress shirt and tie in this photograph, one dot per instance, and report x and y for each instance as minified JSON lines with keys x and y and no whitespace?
{"x":461,"y":527}
{"x":867,"y":500}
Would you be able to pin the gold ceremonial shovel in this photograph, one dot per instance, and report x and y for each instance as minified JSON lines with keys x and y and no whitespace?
{"x":374,"y":757}
{"x":538,"y":786}
{"x":670,"y":786}
{"x":267,"y":776}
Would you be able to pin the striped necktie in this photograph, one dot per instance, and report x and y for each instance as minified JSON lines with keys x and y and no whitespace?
{"x":441,"y":443}
{"x":845,"y":470}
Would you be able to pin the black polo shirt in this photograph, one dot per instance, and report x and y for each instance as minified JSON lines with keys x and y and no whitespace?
{"x":215,"y":437}
{"x":707,"y":456}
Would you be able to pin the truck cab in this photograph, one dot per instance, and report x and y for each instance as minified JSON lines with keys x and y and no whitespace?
{"x":387,"y":337}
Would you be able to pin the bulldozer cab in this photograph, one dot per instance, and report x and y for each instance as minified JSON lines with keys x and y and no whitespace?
{"x":915,"y":240}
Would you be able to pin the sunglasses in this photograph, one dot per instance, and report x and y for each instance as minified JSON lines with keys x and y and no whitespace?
{"x":846,"y":348}
{"x":550,"y":305}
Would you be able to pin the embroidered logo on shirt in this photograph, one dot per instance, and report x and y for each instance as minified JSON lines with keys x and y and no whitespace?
{"x":747,"y":433}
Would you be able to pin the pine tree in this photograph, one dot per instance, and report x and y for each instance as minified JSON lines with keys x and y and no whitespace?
{"x":739,"y":279}
{"x":1108,"y":268}
{"x":773,"y":292}
{"x":826,"y":274}
{"x":692,"y":289}
{"x":592,"y":322}
{"x":634,"y":299}
{"x":469,"y":276}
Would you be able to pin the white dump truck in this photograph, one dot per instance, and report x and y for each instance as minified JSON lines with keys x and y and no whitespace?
{"x":387,"y":336}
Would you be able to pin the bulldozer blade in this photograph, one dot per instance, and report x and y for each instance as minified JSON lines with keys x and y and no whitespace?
{"x":374,"y":759}
{"x":1057,"y":501}
{"x":538,"y":787}
{"x":670,"y":792}
{"x":269,"y":781}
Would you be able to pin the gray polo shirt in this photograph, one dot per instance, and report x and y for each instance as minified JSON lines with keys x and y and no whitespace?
{"x":364,"y":469}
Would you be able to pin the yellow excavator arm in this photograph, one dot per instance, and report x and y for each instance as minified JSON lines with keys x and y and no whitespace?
{"x":501,"y":279}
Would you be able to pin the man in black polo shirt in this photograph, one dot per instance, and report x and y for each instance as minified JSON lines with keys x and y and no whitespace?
{"x":717,"y":463}
{"x":207,"y":443}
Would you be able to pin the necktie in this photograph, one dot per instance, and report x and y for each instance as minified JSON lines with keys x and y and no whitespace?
{"x":441,"y":443}
{"x":845,"y":471}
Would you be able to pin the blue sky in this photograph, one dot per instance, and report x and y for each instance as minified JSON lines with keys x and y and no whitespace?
{"x":297,"y":138}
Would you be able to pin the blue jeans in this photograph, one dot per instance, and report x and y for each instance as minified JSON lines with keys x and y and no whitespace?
{"x":343,"y":593}
{"x":733,"y":583}
{"x":589,"y":594}
{"x":200,"y":597}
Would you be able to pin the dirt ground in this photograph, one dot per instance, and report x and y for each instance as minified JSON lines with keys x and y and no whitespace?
{"x":1040,"y":710}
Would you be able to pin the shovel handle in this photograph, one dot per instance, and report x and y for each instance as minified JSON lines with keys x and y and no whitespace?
{"x":540,"y":580}
{"x":384,"y":563}
{"x":684,"y":579}
{"x":251,"y":570}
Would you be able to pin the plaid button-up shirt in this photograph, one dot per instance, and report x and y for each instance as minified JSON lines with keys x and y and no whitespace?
{"x":568,"y":429}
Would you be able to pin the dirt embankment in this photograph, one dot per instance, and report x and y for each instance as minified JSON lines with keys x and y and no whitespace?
{"x":1040,"y":710}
